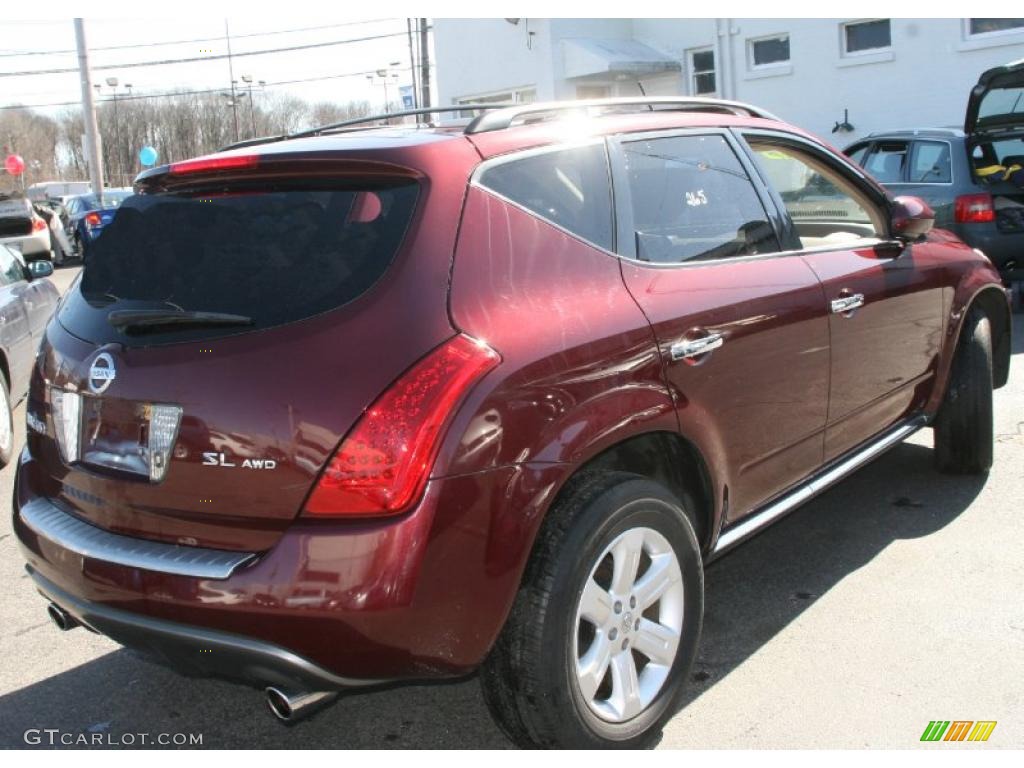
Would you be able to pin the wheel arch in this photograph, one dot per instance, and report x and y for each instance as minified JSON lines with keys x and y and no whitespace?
{"x":667,"y":458}
{"x":992,"y":301}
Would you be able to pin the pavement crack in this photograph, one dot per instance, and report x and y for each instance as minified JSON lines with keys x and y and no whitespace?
{"x":28,"y":629}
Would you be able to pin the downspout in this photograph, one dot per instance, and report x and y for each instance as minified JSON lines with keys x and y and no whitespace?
{"x":719,"y":61}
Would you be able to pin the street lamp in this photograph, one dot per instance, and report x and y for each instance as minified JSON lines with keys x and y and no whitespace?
{"x":384,"y":75}
{"x":247,"y":79}
{"x":112,"y":82}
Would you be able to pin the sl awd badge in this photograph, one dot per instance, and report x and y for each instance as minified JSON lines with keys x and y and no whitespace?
{"x":101,"y":373}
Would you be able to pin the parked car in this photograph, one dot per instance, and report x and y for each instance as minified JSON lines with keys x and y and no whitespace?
{"x":53,"y":190}
{"x":365,"y":405}
{"x":21,"y":227}
{"x":956,"y":171}
{"x":89,"y":214}
{"x":27,"y":301}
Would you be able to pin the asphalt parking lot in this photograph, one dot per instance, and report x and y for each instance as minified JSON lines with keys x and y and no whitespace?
{"x":892,"y":600}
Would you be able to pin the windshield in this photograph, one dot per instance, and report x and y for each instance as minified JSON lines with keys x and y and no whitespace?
{"x":271,"y":257}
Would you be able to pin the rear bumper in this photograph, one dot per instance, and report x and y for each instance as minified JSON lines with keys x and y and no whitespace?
{"x":355,"y":603}
{"x":199,"y":651}
{"x":35,"y":244}
{"x":1006,"y":251}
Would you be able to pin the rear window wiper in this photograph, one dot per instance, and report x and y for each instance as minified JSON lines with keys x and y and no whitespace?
{"x":127,"y":319}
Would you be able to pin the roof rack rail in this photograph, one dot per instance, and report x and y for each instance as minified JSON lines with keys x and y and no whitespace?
{"x":387,"y":115}
{"x":354,"y":121}
{"x":504,"y":118}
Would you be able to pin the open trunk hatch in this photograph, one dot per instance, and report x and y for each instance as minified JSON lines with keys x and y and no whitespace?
{"x":996,"y":103}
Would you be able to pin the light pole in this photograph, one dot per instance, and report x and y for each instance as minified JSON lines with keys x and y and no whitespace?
{"x":385,"y":75}
{"x":247,"y":79}
{"x":112,"y":82}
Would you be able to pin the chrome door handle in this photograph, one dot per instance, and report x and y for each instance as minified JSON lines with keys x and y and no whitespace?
{"x":696,"y":347}
{"x":847,"y":303}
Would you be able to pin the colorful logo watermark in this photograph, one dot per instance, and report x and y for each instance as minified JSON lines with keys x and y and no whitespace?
{"x":958,"y":730}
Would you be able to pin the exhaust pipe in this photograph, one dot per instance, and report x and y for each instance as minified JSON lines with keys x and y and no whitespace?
{"x":61,"y":618}
{"x":289,"y":708}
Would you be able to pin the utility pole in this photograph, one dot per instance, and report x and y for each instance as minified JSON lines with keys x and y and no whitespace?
{"x":112,"y":82}
{"x":92,"y":131}
{"x":424,"y":65}
{"x":412,"y":65}
{"x":231,"y":74}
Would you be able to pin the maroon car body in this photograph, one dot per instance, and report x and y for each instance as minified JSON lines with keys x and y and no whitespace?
{"x":586,"y":377}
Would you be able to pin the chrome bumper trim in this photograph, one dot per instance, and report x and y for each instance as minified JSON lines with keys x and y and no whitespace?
{"x":74,"y":535}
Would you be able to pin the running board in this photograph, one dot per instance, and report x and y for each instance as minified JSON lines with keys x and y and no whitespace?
{"x":829,"y":476}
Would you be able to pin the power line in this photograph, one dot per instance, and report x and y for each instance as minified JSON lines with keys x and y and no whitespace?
{"x":166,"y":94}
{"x":12,"y":54}
{"x":216,"y":57}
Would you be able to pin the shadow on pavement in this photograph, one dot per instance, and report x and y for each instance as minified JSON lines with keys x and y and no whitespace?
{"x":752,"y":595}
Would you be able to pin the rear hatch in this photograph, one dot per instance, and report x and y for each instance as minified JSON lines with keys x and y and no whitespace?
{"x":227,"y":331}
{"x":996,"y":103}
{"x":15,"y":218}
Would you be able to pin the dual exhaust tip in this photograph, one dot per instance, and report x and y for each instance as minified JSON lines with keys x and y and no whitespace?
{"x":286,"y":706}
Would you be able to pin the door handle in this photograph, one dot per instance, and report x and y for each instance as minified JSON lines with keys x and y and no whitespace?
{"x":845,"y":304}
{"x":696,"y":347}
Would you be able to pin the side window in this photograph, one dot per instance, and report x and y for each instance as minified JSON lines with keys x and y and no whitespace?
{"x":857,"y":152}
{"x":569,"y":187}
{"x":10,"y":267}
{"x":824,"y":206}
{"x":692,"y":200}
{"x":930,"y":162}
{"x":886,"y":161}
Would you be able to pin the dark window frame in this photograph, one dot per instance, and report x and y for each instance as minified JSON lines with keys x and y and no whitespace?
{"x":1005,"y":30}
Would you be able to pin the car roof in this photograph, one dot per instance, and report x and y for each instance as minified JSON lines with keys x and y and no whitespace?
{"x":931,"y":133}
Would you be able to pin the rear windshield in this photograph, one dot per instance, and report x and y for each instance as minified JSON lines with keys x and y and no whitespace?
{"x":271,"y":256}
{"x":110,"y":200}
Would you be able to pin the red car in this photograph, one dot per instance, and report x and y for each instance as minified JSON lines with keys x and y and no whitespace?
{"x":363,"y":406}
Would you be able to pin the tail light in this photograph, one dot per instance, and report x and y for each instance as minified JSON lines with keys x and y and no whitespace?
{"x":974,"y":209}
{"x":382,"y":465}
{"x":214,"y":163}
{"x":38,"y":225}
{"x":67,"y":419}
{"x":92,"y":220}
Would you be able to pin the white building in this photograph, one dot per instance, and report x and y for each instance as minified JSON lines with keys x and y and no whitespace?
{"x":875,"y":74}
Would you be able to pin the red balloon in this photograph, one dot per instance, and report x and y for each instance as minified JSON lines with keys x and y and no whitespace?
{"x":14,"y":165}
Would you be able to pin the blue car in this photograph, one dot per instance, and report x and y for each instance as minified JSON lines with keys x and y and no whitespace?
{"x":87,"y":216}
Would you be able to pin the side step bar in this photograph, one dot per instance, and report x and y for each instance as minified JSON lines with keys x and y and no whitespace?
{"x":817,"y":483}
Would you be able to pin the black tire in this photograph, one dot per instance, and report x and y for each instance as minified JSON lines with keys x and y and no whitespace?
{"x":529,"y":679}
{"x":963,"y":426}
{"x":6,"y":413}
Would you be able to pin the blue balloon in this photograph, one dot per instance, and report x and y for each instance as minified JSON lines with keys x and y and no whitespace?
{"x":147,"y":156}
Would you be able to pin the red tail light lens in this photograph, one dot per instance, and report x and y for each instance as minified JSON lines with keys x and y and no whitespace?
{"x":382,"y":466}
{"x":974,"y":209}
{"x":38,"y":225}
{"x":92,"y":220}
{"x":214,"y":163}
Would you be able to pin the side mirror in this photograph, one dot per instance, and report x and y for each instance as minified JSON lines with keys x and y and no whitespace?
{"x":38,"y":269}
{"x":911,"y":218}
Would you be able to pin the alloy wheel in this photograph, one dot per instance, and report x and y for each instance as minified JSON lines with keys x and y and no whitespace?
{"x":629,"y":620}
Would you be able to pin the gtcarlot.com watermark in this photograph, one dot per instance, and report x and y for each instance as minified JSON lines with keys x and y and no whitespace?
{"x":54,"y":737}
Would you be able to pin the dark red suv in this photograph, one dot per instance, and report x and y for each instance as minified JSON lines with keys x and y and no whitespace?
{"x":363,"y":406}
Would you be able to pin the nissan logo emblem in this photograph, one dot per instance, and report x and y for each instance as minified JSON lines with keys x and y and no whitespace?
{"x":101,"y":373}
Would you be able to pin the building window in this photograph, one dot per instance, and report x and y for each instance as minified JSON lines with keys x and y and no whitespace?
{"x":988,"y":26}
{"x":769,"y":50}
{"x":702,"y":72}
{"x":861,"y":36}
{"x":517,"y":96}
{"x":592,"y":92}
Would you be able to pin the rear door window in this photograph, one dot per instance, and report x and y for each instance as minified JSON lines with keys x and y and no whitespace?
{"x":568,"y":187}
{"x":692,"y":200}
{"x":886,"y":161}
{"x":931,"y":163}
{"x":271,"y":256}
